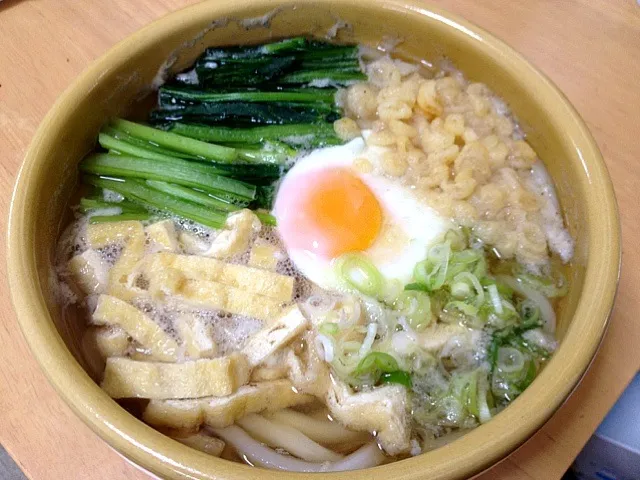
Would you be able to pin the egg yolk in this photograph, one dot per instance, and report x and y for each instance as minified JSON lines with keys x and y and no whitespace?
{"x":334,"y":214}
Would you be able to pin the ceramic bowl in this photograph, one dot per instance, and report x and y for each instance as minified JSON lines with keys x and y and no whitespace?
{"x":131,"y":69}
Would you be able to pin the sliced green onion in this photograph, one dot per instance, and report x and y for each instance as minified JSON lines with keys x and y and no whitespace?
{"x":529,"y":376}
{"x":461,"y":290}
{"x":510,"y":360}
{"x":456,"y":238}
{"x":432,"y":272}
{"x":465,"y":388}
{"x":549,"y":287}
{"x":400,"y":376}
{"x":529,"y":312}
{"x":419,"y":287}
{"x":504,"y":290}
{"x":466,"y":261}
{"x":329,"y":328}
{"x":416,"y":307}
{"x":484,"y":412}
{"x":358,"y":272}
{"x":472,"y":280}
{"x":465,"y":308}
{"x":376,"y":363}
{"x":471,"y":394}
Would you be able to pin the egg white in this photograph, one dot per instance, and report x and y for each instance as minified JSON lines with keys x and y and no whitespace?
{"x":409,"y":227}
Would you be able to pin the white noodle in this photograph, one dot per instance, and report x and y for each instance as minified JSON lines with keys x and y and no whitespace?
{"x":324,"y":347}
{"x":540,"y":339}
{"x":256,"y":453}
{"x":402,"y":320}
{"x":403,"y":343}
{"x":365,"y":457}
{"x":321,"y":430}
{"x":495,"y":299}
{"x":318,"y":306}
{"x":372,"y":329}
{"x":352,"y":319}
{"x":484,"y":413}
{"x":284,"y":436}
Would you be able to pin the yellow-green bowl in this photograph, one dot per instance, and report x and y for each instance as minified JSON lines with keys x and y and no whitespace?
{"x":129,"y":69}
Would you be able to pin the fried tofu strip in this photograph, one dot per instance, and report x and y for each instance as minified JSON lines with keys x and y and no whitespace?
{"x":98,"y":343}
{"x":437,"y":336}
{"x":274,"y":367}
{"x":271,"y":338}
{"x":121,"y":273}
{"x":113,"y":311}
{"x":165,"y":283}
{"x":254,"y":280}
{"x":223,"y":411}
{"x":131,"y":235}
{"x":197,"y":336}
{"x":234,"y":239}
{"x":308,"y":372}
{"x":263,"y":255}
{"x":265,"y":374}
{"x":110,"y":341}
{"x":382,"y":410}
{"x":204,"y":443}
{"x":100,"y":235}
{"x":162,"y":236}
{"x":219,"y":296}
{"x":218,"y":377}
{"x":89,"y":272}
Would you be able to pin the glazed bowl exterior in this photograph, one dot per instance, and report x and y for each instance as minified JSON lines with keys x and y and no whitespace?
{"x":130,"y":70}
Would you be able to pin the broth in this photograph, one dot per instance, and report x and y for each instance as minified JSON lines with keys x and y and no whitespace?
{"x":250,"y":341}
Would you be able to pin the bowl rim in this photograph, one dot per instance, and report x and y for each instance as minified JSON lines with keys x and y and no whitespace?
{"x":477,"y":450}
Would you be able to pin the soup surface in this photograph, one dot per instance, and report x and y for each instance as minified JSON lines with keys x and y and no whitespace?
{"x":316,"y":257}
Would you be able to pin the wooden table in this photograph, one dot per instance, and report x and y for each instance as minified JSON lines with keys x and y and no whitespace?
{"x":590,"y":48}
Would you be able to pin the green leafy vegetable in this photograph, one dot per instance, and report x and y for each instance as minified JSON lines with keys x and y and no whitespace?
{"x":179,"y":143}
{"x":138,"y":192}
{"x":302,"y":134}
{"x":123,"y":217}
{"x":182,"y":172}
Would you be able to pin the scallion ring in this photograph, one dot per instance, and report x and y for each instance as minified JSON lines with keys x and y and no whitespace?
{"x":359,"y":273}
{"x":510,"y":360}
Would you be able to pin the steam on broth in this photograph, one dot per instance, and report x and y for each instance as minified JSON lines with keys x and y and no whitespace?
{"x":316,"y":257}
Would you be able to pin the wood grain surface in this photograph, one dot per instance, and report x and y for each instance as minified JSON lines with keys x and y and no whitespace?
{"x":590,"y":48}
